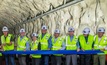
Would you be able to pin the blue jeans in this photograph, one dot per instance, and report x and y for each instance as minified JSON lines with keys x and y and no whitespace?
{"x":9,"y":57}
{"x":45,"y":59}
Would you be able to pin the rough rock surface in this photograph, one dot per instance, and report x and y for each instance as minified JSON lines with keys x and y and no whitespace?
{"x":87,"y":13}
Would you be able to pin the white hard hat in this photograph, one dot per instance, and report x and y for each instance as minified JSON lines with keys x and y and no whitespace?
{"x":22,"y":30}
{"x":70,"y":29}
{"x":44,"y":27}
{"x":101,"y":29}
{"x":34,"y":34}
{"x":5,"y":28}
{"x":86,"y":31}
{"x":57,"y":31}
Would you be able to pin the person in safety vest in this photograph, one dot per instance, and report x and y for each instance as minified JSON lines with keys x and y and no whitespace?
{"x":71,"y":44}
{"x":22,"y":45}
{"x":100,"y":42}
{"x":57,"y":44}
{"x":8,"y":45}
{"x":35,"y":46}
{"x":86,"y":41}
{"x":45,"y":43}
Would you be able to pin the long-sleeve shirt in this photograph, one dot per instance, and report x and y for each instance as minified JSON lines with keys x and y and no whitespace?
{"x":27,"y":44}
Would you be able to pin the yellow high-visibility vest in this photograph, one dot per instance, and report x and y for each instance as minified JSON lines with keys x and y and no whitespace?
{"x":22,"y":43}
{"x":44,"y":41}
{"x":34,"y":46}
{"x":56,"y":45}
{"x":100,"y":44}
{"x":7,"y":41}
{"x":86,"y":45}
{"x":71,"y":45}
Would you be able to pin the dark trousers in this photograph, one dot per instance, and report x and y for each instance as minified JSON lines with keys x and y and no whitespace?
{"x":9,"y":58}
{"x":45,"y":59}
{"x":28,"y":60}
{"x":0,"y":60}
{"x":22,"y":59}
{"x":35,"y":61}
{"x":56,"y":60}
{"x":85,"y":59}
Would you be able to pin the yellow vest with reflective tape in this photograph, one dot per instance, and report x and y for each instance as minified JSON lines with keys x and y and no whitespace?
{"x":57,"y":45}
{"x":86,"y":45}
{"x":71,"y":45}
{"x":22,"y":43}
{"x":7,"y":41}
{"x":100,"y":44}
{"x":44,"y":41}
{"x":34,"y":46}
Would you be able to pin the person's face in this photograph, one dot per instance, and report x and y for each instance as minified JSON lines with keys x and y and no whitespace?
{"x":5,"y":33}
{"x":22,"y":34}
{"x":100,"y":34}
{"x":71,"y":33}
{"x":85,"y":35}
{"x":44,"y":31}
{"x":34,"y":38}
{"x":56,"y":35}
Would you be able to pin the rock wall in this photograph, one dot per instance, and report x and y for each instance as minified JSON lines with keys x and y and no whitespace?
{"x":87,"y":13}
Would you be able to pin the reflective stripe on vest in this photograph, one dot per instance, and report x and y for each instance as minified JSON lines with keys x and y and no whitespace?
{"x":100,"y":44}
{"x":86,"y":45}
{"x":34,"y":46}
{"x":44,"y":41}
{"x":7,"y":41}
{"x":57,"y":45}
{"x":22,"y":43}
{"x":71,"y":45}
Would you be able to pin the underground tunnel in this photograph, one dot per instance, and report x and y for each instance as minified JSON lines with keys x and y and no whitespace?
{"x":61,"y":14}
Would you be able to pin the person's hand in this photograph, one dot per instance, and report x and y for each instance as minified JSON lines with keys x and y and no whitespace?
{"x":4,"y":44}
{"x":0,"y":47}
{"x":30,"y":56}
{"x":1,"y":50}
{"x":102,"y":49}
{"x":35,"y":49}
{"x":83,"y":50}
{"x":78,"y":50}
{"x":24,"y":49}
{"x":9,"y":43}
{"x":48,"y":49}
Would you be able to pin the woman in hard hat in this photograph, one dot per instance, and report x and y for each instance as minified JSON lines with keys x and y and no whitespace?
{"x":35,"y":46}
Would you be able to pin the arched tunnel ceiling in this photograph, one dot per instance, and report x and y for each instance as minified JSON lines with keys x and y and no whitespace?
{"x":90,"y":13}
{"x":16,"y":11}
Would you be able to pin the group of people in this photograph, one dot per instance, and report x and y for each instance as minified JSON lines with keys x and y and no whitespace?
{"x":45,"y":41}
